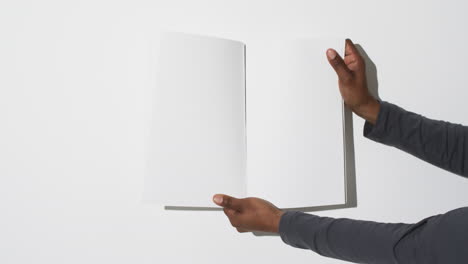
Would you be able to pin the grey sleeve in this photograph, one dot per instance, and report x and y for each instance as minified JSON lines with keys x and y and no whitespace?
{"x":437,"y":239}
{"x":345,"y":239}
{"x":440,"y":143}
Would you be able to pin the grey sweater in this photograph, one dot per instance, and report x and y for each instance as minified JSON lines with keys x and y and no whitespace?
{"x":437,"y":239}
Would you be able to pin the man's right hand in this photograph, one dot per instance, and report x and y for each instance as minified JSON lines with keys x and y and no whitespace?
{"x":352,"y":82}
{"x":250,"y":214}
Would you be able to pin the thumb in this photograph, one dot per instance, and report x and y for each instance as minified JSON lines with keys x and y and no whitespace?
{"x":338,"y":65}
{"x":227,"y":201}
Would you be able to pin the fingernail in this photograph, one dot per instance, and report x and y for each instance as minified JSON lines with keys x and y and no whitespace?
{"x":331,"y":54}
{"x":218,"y":199}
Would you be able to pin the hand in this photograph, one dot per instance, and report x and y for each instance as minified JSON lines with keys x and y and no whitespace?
{"x":353,"y":83}
{"x":250,"y":214}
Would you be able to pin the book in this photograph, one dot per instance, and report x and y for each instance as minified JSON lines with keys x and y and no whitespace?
{"x":268,"y":124}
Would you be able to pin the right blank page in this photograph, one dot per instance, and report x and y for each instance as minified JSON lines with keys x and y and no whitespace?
{"x":295,"y":125}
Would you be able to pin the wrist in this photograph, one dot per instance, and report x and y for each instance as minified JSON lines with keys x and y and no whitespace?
{"x":276,"y":221}
{"x":368,"y":110}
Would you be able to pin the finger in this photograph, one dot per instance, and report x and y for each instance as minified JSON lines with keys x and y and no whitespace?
{"x":338,"y":65}
{"x":241,"y":230}
{"x":227,"y":201}
{"x":353,"y":58}
{"x":350,"y":60}
{"x":232,"y":216}
{"x":350,"y":48}
{"x":229,"y":212}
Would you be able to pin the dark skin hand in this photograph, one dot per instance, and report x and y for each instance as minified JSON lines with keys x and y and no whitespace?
{"x":255,"y":214}
{"x":353,"y":83}
{"x":250,"y":214}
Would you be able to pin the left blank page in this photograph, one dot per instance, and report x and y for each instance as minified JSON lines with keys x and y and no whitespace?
{"x":198,"y":124}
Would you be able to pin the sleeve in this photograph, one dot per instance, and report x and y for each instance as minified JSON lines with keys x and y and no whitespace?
{"x":440,"y":143}
{"x":437,"y":239}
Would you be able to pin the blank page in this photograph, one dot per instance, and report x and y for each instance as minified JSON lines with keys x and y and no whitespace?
{"x":198,"y":131}
{"x":295,"y":132}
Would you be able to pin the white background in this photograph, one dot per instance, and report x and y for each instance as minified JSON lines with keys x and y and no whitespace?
{"x":75,"y":90}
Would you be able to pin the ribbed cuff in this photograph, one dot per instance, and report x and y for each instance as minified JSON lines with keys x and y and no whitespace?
{"x":377,"y":132}
{"x":299,"y":229}
{"x":285,"y":228}
{"x":306,"y":231}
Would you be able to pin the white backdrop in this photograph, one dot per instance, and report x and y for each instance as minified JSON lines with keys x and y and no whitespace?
{"x":75,"y":99}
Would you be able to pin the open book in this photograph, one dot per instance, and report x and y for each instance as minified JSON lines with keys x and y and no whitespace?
{"x":268,"y":124}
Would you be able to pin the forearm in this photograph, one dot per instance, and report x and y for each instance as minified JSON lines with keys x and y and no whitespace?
{"x":346,"y":239}
{"x":438,"y":142}
{"x":437,"y":239}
